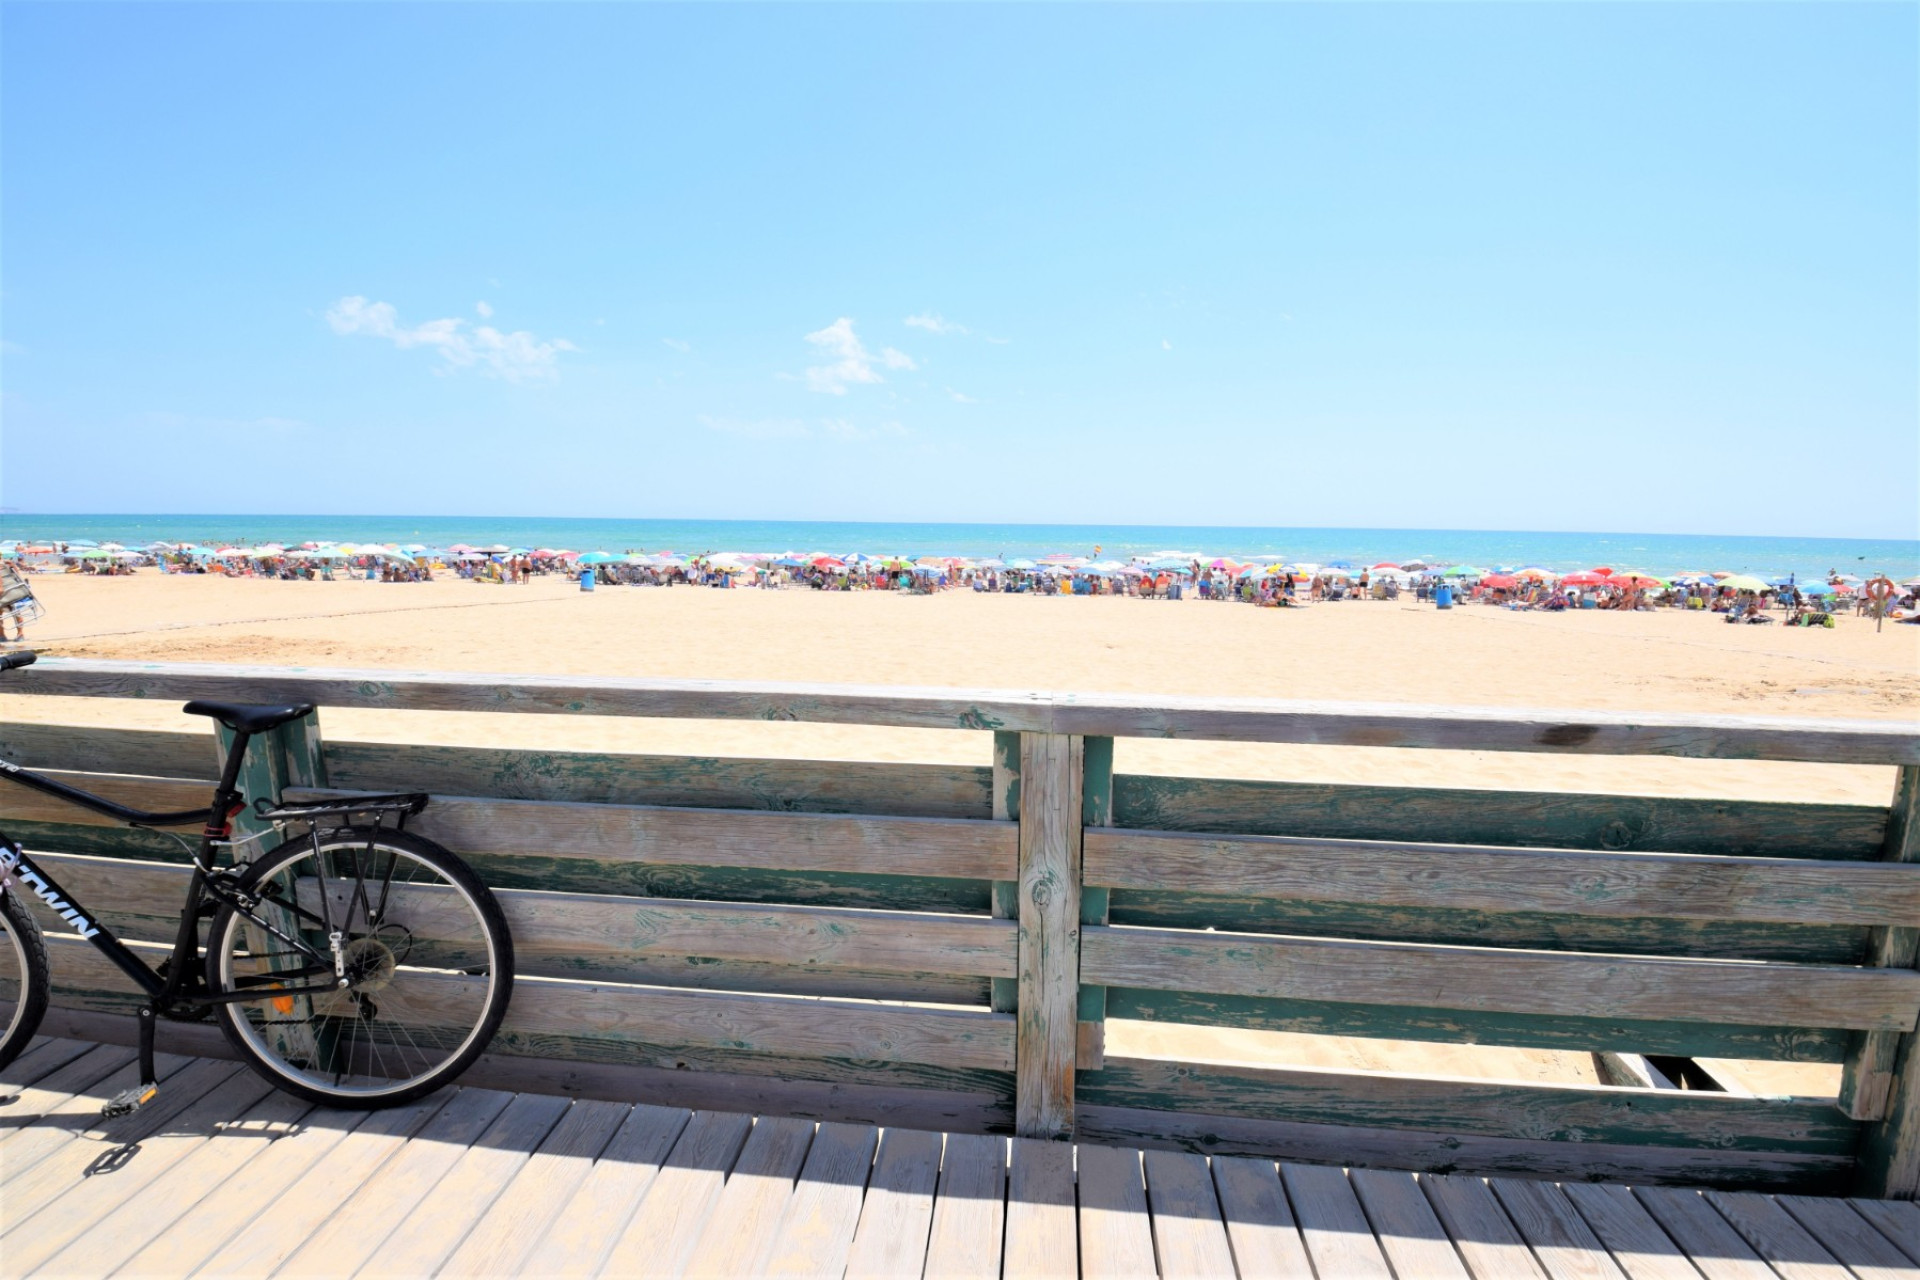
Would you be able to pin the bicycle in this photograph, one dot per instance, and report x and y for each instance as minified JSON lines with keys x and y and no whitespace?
{"x":354,"y":963}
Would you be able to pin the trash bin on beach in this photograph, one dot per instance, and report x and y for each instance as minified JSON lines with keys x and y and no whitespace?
{"x":586,"y":579}
{"x":1443,"y":596}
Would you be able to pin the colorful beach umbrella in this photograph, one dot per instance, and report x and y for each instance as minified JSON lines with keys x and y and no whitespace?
{"x":1744,"y":582}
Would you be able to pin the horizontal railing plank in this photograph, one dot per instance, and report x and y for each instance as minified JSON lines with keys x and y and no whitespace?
{"x":559,"y":1008}
{"x":979,"y":849}
{"x":1767,"y":1043}
{"x":158,"y":795}
{"x":1579,"y":882}
{"x":1556,"y":819}
{"x":702,"y":782}
{"x":1574,"y":1113}
{"x":1444,"y":1151}
{"x":187,"y":753}
{"x":1250,"y":720}
{"x":1498,"y":980}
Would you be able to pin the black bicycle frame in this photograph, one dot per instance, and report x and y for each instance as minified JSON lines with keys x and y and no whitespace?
{"x":216,"y":825}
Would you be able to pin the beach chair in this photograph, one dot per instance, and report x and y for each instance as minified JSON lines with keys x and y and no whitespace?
{"x":16,"y":598}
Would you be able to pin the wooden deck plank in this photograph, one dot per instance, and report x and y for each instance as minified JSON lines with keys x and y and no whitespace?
{"x":891,"y":1240}
{"x":1638,"y":1245}
{"x":1260,"y":1227}
{"x":183,"y":1243}
{"x":356,"y":1226}
{"x":464,"y":1192}
{"x":519,"y":1217}
{"x":742,"y":1231}
{"x":1562,"y":1241}
{"x":1403,"y":1221}
{"x":44,"y":1056}
{"x":67,"y":1154}
{"x":69,"y":1101}
{"x":1849,"y":1238}
{"x":1489,"y":1243}
{"x":1897,"y":1220}
{"x":1708,"y":1239}
{"x":47,"y":1093}
{"x":59,"y":1234}
{"x":1043,"y":1240}
{"x":814,"y":1237}
{"x":969,"y":1211}
{"x":659,"y":1238}
{"x":1776,"y":1237}
{"x":1189,"y":1234}
{"x":1334,"y":1226}
{"x":587,"y":1226}
{"x":1116,"y":1229}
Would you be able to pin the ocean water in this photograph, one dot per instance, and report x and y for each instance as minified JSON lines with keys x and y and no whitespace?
{"x":1654,"y":552}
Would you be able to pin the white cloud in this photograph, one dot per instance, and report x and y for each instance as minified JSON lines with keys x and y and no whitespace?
{"x":1165,"y":345}
{"x":517,"y":356}
{"x":960,"y":397}
{"x":483,"y":308}
{"x":935,"y":323}
{"x":678,"y":345}
{"x":852,"y":363}
{"x":841,"y":430}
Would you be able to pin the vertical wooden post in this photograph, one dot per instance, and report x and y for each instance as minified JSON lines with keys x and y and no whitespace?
{"x":1045,"y":1050}
{"x":1005,"y":994}
{"x":289,"y":756}
{"x":1096,"y":810}
{"x":1881,"y":1082}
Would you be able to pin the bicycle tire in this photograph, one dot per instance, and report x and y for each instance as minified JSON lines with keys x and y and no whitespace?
{"x":22,"y":948}
{"x":458,"y":985}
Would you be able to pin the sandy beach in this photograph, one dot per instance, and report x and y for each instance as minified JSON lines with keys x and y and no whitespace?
{"x":1375,"y":651}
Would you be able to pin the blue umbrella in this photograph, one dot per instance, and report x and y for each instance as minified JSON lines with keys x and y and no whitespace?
{"x":596,"y":557}
{"x":1816,"y":589}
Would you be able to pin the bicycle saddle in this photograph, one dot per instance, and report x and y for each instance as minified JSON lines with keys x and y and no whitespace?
{"x":249,"y":718}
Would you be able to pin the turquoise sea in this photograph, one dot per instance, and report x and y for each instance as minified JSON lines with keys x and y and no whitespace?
{"x":1655,"y":552}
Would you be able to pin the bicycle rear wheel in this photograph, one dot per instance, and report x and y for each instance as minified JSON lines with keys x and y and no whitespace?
{"x":23,"y":976}
{"x":425,"y":951}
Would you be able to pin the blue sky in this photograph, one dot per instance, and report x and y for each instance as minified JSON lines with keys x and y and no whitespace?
{"x":1564,"y":266}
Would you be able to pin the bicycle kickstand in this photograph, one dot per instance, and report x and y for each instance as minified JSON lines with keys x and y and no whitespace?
{"x":128,"y":1101}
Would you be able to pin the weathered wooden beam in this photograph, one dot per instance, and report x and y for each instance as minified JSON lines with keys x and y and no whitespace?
{"x":1881,"y":1082}
{"x":1498,"y":980}
{"x":1050,"y":815}
{"x":953,"y":847}
{"x":1630,"y":1071}
{"x":1579,"y":732}
{"x":102,"y":749}
{"x":1096,"y":813}
{"x":1571,"y":881}
{"x":1005,"y":795}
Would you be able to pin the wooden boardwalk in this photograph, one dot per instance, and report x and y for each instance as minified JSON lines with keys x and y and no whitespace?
{"x":223,"y":1176}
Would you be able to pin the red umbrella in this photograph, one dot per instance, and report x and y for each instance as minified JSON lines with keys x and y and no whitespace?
{"x":1592,"y":579}
{"x":1386,"y":564}
{"x":1505,"y":580}
{"x":827,"y":562}
{"x":1603,"y":571}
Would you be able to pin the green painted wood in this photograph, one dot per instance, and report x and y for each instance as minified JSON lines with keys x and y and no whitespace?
{"x":1882,"y":1080}
{"x":93,"y":749}
{"x":1096,"y":798}
{"x":1397,"y":1022}
{"x":1539,"y":930}
{"x":1500,"y":1109}
{"x":105,"y":842}
{"x":700,"y":782}
{"x":729,"y":884}
{"x":1004,"y":779}
{"x":1568,"y":821}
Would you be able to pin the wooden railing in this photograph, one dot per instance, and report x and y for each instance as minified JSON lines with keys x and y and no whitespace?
{"x":942,"y":946}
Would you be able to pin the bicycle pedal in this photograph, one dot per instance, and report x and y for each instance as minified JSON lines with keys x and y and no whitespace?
{"x":128,"y":1101}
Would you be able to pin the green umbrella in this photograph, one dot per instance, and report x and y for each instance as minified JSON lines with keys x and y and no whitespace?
{"x":1461,"y":571}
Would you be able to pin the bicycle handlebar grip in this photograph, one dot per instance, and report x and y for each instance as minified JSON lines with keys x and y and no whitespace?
{"x":24,"y":658}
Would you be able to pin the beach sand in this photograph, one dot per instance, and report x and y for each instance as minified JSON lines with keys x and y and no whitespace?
{"x":1371,"y":651}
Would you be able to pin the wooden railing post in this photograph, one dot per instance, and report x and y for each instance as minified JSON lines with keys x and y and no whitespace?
{"x":1096,"y":810}
{"x":289,"y":756}
{"x":1045,"y":1051}
{"x":1881,"y":1082}
{"x":1005,"y":992}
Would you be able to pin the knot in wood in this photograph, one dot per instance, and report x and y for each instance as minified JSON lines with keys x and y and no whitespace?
{"x":1041,"y":892}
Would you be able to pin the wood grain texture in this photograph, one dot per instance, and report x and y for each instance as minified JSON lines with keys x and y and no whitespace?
{"x":1573,"y":881}
{"x":1776,"y":1237}
{"x":1564,"y":1245}
{"x":1497,"y":980}
{"x":743,"y":1229}
{"x":895,"y":1219}
{"x":1334,"y":1226}
{"x":1189,"y":1234}
{"x":157,"y":753}
{"x":1638,"y":1245}
{"x":969,"y":1213}
{"x":1850,"y":1238}
{"x":1410,"y":1236}
{"x":696,"y":782}
{"x":1567,"y":820}
{"x":1879,"y":1082}
{"x":1050,"y":955}
{"x":1488,"y":1242}
{"x":1116,"y":1234}
{"x":157,"y":795}
{"x":1260,"y":1227}
{"x":1708,"y":1239}
{"x":659,"y":1239}
{"x":1503,"y":1109}
{"x":1446,"y":1150}
{"x":1113,"y":715}
{"x":816,"y":1234}
{"x":1402,"y":1022}
{"x":599,"y":1209}
{"x":953,"y":847}
{"x":1897,"y":1220}
{"x":1042,"y":1238}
